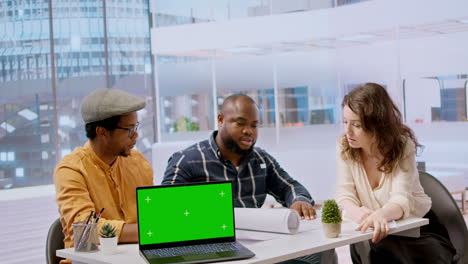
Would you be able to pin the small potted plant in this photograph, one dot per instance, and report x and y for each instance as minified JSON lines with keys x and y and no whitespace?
{"x":331,"y":218}
{"x":108,"y":238}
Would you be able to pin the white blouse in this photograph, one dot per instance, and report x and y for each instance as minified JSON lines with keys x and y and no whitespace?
{"x":401,"y":187}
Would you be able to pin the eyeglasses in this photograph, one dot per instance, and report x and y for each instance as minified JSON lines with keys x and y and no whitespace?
{"x":131,"y":130}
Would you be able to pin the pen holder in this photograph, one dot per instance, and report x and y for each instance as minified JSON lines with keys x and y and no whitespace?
{"x":85,"y":236}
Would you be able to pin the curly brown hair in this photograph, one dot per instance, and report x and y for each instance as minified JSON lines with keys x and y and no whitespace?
{"x":380,"y":118}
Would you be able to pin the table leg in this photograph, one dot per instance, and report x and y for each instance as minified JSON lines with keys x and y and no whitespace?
{"x":364,"y":251}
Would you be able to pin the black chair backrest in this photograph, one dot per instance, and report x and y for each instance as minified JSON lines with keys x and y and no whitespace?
{"x":54,"y":241}
{"x":446,"y":209}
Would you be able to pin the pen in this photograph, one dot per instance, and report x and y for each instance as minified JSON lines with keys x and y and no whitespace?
{"x":99,"y":215}
{"x":89,"y":217}
{"x":84,"y":232}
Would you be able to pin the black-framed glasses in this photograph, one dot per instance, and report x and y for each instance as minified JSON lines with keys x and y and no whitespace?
{"x":131,"y":130}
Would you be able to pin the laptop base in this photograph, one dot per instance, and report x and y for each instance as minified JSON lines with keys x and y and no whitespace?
{"x":241,"y":253}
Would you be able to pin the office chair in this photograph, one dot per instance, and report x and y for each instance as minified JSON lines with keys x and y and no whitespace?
{"x":446,"y":209}
{"x":54,"y":241}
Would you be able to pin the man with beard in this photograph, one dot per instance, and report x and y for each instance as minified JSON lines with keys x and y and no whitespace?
{"x":104,"y":173}
{"x":230,"y":154}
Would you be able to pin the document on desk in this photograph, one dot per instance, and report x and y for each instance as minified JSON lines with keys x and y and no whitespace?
{"x":249,"y":236}
{"x":276,"y":220}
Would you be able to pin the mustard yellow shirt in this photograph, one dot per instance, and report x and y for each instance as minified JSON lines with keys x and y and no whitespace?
{"x":84,"y":183}
{"x":401,"y":187}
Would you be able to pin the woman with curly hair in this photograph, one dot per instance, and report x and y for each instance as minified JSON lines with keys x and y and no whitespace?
{"x":378,"y":180}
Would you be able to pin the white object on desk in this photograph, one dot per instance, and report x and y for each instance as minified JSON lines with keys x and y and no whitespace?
{"x":108,"y":245}
{"x":275,"y":250}
{"x":281,"y":220}
{"x":248,"y":237}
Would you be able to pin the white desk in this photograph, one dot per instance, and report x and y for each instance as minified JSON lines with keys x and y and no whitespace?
{"x":280,"y":248}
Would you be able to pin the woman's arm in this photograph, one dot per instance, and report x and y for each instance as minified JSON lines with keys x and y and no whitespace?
{"x":356,"y":213}
{"x":379,"y":220}
{"x":405,"y":174}
{"x":346,"y":194}
{"x":399,"y":204}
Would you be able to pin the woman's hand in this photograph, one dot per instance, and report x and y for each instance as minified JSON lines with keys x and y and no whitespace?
{"x":377,"y":221}
{"x":362,"y":213}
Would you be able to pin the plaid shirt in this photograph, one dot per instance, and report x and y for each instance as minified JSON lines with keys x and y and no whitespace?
{"x":259,"y":174}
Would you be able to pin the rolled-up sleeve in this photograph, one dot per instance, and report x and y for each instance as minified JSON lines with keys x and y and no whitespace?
{"x":346,"y":186}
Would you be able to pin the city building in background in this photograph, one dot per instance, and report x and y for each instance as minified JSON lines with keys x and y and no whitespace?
{"x":52,"y":53}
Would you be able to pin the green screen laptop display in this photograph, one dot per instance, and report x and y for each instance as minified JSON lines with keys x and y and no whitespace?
{"x":183,"y":213}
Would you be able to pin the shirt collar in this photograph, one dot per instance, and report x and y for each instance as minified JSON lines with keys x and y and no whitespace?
{"x":98,"y":160}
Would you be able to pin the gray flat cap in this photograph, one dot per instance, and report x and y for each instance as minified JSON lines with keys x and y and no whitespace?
{"x":104,"y":103}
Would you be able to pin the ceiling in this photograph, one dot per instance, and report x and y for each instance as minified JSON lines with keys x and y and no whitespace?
{"x":432,"y":29}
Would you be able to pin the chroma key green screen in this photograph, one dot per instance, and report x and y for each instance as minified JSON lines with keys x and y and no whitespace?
{"x":182,"y":213}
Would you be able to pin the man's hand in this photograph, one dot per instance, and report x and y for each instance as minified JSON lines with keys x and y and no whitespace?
{"x":129,"y":233}
{"x":305,"y":210}
{"x":378,"y":222}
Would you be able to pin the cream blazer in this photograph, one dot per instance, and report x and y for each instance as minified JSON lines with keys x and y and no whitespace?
{"x":401,"y":187}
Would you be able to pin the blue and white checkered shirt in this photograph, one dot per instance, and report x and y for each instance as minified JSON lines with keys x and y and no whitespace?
{"x":259,"y":174}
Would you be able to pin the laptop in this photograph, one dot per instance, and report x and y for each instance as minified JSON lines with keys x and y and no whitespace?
{"x":189,"y":223}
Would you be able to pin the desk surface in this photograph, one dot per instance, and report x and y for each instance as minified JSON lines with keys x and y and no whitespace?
{"x":280,"y":248}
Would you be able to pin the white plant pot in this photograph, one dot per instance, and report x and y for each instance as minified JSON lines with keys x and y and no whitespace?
{"x":109,"y":245}
{"x":331,"y":230}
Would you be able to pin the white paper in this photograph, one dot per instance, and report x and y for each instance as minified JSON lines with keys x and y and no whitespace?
{"x":308,"y":225}
{"x":277,"y":220}
{"x":244,"y":235}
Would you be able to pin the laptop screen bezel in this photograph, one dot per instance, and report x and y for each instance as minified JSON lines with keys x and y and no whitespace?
{"x":187,"y":242}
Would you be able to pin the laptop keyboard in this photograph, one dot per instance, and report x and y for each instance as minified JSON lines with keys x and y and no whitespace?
{"x":192,"y":250}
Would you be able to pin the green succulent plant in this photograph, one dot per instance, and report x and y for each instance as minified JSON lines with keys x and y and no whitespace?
{"x":107,"y":231}
{"x":331,"y":212}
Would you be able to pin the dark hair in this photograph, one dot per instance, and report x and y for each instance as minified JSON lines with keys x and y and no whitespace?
{"x":110,"y":123}
{"x":381,"y":118}
{"x":235,"y":97}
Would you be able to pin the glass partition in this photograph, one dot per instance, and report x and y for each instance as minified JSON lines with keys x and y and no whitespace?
{"x":186,"y":95}
{"x":244,"y":72}
{"x":444,"y":99}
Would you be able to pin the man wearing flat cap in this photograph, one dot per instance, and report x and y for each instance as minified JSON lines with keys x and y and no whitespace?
{"x":105,"y":172}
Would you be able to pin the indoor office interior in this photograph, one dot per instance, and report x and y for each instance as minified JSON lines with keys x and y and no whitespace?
{"x":295,"y":58}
